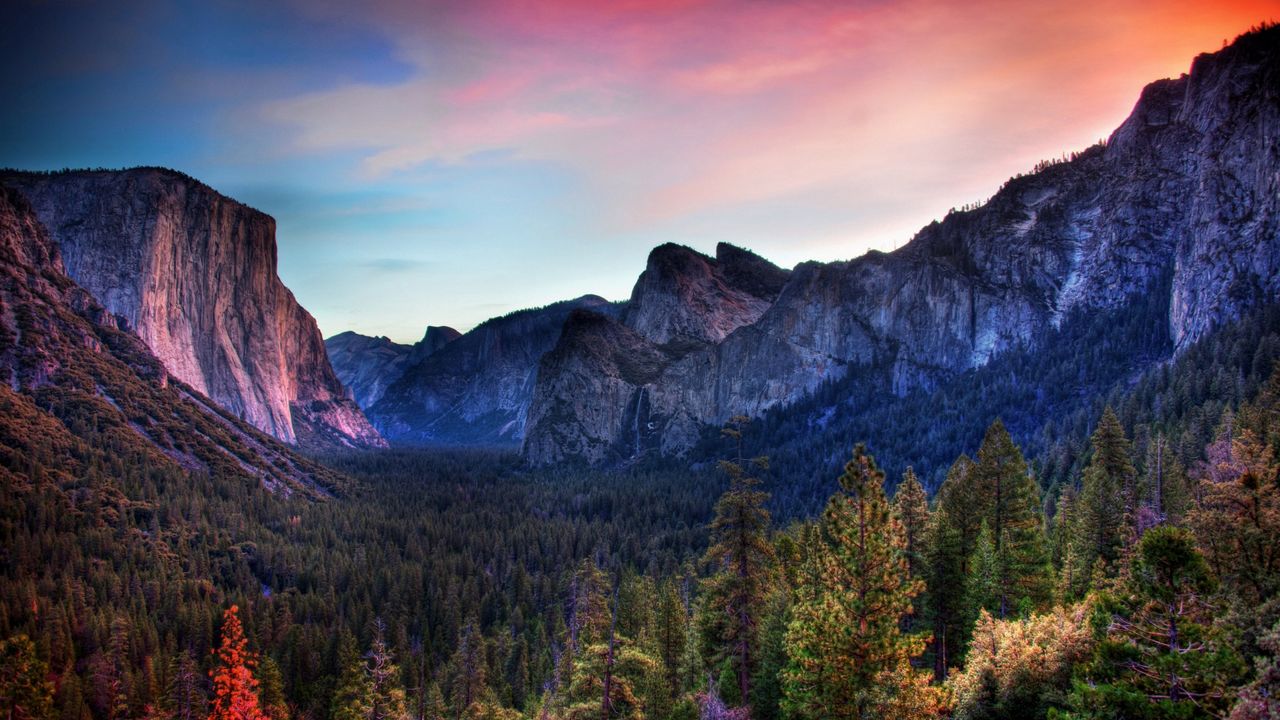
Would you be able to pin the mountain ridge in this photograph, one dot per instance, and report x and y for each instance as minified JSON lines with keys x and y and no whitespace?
{"x":1187,"y":185}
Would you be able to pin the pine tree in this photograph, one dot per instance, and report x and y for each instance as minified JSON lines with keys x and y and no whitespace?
{"x":607,"y":676}
{"x":433,"y":708}
{"x":1015,"y":520}
{"x":25,"y":691}
{"x":911,"y":508}
{"x":669,"y":633}
{"x":353,"y":696}
{"x":1161,"y":656}
{"x":235,"y":690}
{"x":271,"y":689}
{"x":982,"y":587}
{"x":1109,"y":496}
{"x":1165,"y":483}
{"x":946,"y":597}
{"x":186,"y":698}
{"x":953,"y":533}
{"x":469,"y":670}
{"x":847,"y":655}
{"x":743,"y":559}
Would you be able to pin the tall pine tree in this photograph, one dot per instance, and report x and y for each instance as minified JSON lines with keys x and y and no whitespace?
{"x":743,"y":559}
{"x":847,"y":654}
{"x":1013,"y":514}
{"x":1108,"y":498}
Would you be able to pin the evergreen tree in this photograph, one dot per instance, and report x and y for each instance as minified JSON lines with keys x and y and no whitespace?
{"x":982,"y":587}
{"x":25,"y":691}
{"x":847,"y":655}
{"x":186,"y":699}
{"x":944,"y":573}
{"x":353,"y":695}
{"x":1109,"y":497}
{"x":1165,"y":483}
{"x":1014,"y":517}
{"x":235,"y":690}
{"x":743,"y":559}
{"x":433,"y":708}
{"x":469,"y":670}
{"x":911,"y":508}
{"x":271,"y":689}
{"x":669,"y":633}
{"x":1260,"y":699}
{"x":1160,"y":657}
{"x":766,"y":685}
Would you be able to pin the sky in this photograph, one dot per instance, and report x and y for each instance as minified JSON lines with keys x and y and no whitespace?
{"x":439,"y":163}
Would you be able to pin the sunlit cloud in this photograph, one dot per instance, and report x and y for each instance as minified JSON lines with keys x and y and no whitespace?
{"x":672,"y":109}
{"x":536,"y":150}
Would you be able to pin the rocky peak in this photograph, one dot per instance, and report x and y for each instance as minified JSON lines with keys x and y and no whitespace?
{"x":1184,"y":199}
{"x":193,"y":273}
{"x":749,"y":272}
{"x":436,"y":337}
{"x":366,"y":365}
{"x":683,"y":295}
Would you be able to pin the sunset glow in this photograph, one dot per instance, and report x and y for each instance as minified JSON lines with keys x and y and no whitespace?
{"x":440,"y":163}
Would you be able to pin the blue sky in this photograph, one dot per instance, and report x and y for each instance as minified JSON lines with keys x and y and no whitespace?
{"x":441,"y":163}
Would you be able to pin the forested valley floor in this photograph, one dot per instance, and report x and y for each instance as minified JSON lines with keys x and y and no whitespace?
{"x":1140,"y":581}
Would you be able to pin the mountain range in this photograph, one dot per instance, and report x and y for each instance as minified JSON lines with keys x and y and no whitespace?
{"x":1181,"y":200}
{"x":1177,"y":209}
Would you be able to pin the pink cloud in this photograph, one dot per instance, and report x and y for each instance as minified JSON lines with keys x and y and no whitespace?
{"x":672,"y":109}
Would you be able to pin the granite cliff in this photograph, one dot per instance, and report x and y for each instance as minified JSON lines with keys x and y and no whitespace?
{"x":193,"y":274}
{"x":1182,"y":196}
{"x":81,"y":391}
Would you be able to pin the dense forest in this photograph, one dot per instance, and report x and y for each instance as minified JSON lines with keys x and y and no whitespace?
{"x":1120,"y":562}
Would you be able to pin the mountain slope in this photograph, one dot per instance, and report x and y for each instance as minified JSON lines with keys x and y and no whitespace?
{"x":475,"y":389}
{"x":193,"y":273}
{"x":1186,"y":189}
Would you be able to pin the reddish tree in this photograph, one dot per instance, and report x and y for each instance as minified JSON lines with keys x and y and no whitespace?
{"x":235,"y":695}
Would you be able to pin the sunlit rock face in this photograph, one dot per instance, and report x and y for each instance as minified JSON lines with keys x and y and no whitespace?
{"x":193,"y":273}
{"x":1182,"y":199}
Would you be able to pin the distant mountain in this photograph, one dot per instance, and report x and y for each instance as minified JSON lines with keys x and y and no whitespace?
{"x":84,"y":399}
{"x":607,"y":390}
{"x":193,"y":273}
{"x":473,"y":389}
{"x":1182,"y":200}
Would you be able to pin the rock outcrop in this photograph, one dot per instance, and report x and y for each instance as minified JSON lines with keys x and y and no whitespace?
{"x":475,"y":389}
{"x":1183,"y":195}
{"x":368,"y":365}
{"x":193,"y":273}
{"x":79,"y":389}
{"x":685,"y":296}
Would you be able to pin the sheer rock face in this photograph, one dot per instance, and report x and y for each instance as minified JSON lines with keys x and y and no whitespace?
{"x":475,"y":389}
{"x":193,"y":273}
{"x":76,"y":384}
{"x":1183,"y":196}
